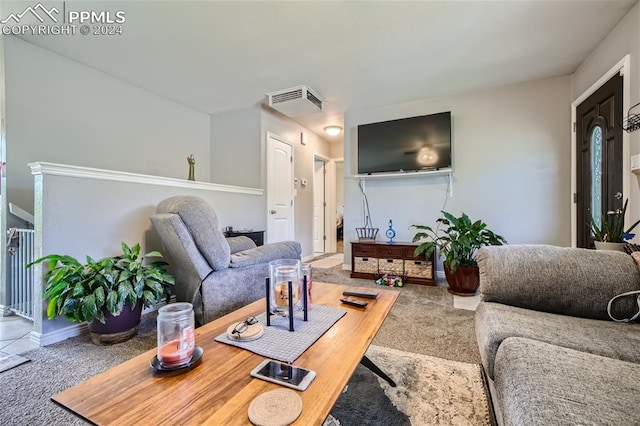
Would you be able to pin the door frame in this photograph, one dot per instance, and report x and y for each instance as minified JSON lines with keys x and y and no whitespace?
{"x":331,"y":196}
{"x":327,"y":223}
{"x":623,"y":67}
{"x":271,"y":135}
{"x":4,"y":202}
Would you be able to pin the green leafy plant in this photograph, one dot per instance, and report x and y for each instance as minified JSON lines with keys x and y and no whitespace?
{"x":82,"y":292}
{"x":612,"y":227}
{"x":458,"y":241}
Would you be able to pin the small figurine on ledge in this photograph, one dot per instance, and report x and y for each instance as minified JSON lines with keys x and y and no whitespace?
{"x":192,"y":161}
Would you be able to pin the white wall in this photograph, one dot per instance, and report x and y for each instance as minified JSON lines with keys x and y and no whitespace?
{"x":511,"y":159}
{"x":63,"y":112}
{"x":623,"y":40}
{"x":236,"y":154}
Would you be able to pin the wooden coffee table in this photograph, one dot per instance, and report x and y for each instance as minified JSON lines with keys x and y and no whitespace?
{"x":220,"y":389}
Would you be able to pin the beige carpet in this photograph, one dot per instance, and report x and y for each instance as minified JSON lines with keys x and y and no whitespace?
{"x":423,"y":319}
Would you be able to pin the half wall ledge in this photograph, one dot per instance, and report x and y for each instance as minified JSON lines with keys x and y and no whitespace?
{"x":45,"y":168}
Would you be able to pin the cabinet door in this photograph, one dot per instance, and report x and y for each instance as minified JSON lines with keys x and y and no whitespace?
{"x":390,"y":252}
{"x":363,"y":250}
{"x":367,"y":265}
{"x":417,"y":267}
{"x":391,"y":267}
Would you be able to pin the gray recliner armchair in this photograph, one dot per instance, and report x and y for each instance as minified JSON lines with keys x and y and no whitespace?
{"x":216,"y":274}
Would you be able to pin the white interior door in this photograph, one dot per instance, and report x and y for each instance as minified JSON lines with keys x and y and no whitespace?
{"x":318,"y":206}
{"x":280,"y":213}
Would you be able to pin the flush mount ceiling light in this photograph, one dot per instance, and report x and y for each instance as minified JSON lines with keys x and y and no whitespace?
{"x":333,"y":130}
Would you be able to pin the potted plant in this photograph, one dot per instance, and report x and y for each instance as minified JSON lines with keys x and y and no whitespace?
{"x":108,"y":293}
{"x":610,"y":234}
{"x":458,"y":241}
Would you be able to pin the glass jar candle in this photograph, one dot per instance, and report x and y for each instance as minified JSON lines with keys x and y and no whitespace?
{"x":176,"y":334}
{"x":281,"y":272}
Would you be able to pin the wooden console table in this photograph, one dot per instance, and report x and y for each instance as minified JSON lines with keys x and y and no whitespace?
{"x":373,"y":259}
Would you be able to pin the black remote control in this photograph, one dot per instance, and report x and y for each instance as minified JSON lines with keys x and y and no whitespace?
{"x":353,"y":302}
{"x":365,"y":294}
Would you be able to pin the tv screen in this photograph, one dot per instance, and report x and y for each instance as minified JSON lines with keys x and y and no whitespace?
{"x":409,"y":144}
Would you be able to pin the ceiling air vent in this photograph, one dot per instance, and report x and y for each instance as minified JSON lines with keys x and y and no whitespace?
{"x":300,"y":100}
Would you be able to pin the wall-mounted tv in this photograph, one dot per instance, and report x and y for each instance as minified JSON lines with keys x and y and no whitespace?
{"x":420,"y":143}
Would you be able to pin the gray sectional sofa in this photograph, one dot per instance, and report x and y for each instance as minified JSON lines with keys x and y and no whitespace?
{"x":550,"y":352}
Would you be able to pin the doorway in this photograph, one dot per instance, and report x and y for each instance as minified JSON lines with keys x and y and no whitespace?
{"x":280,"y":209}
{"x":598,"y":157}
{"x":578,"y":194}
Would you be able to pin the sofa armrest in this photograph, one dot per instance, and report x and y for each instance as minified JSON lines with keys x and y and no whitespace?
{"x":241,"y":243}
{"x":266,"y":253}
{"x":567,"y":281}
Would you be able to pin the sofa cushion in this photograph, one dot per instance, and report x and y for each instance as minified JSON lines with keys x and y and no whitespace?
{"x":542,"y":384}
{"x":561,"y":280}
{"x":202,"y":222}
{"x":240,"y":243}
{"x":495,"y":322}
{"x":266,"y":253}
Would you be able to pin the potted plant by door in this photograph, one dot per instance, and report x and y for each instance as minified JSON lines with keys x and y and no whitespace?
{"x":458,"y":241}
{"x":108,"y":293}
{"x":610,"y":234}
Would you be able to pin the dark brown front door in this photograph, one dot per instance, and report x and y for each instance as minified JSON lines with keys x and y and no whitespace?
{"x":599,"y":156}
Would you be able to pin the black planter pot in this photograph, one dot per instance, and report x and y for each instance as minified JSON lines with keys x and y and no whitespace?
{"x":465,"y":281}
{"x":117,"y":329}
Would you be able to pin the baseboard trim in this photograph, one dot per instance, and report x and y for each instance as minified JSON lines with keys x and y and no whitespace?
{"x":45,"y":339}
{"x":77,"y":329}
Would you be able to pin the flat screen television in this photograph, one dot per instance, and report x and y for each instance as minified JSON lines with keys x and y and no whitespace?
{"x":411,"y":144}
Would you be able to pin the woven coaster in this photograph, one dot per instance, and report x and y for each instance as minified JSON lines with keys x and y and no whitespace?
{"x":278,"y":407}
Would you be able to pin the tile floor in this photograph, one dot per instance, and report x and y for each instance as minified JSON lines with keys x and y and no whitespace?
{"x":14,"y":335}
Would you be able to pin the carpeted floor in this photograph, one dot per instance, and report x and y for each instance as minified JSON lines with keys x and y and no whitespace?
{"x":422,"y":321}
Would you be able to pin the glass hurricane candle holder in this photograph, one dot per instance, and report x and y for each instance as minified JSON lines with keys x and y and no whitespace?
{"x":306,"y":272}
{"x":281,"y":273}
{"x":176,"y":334}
